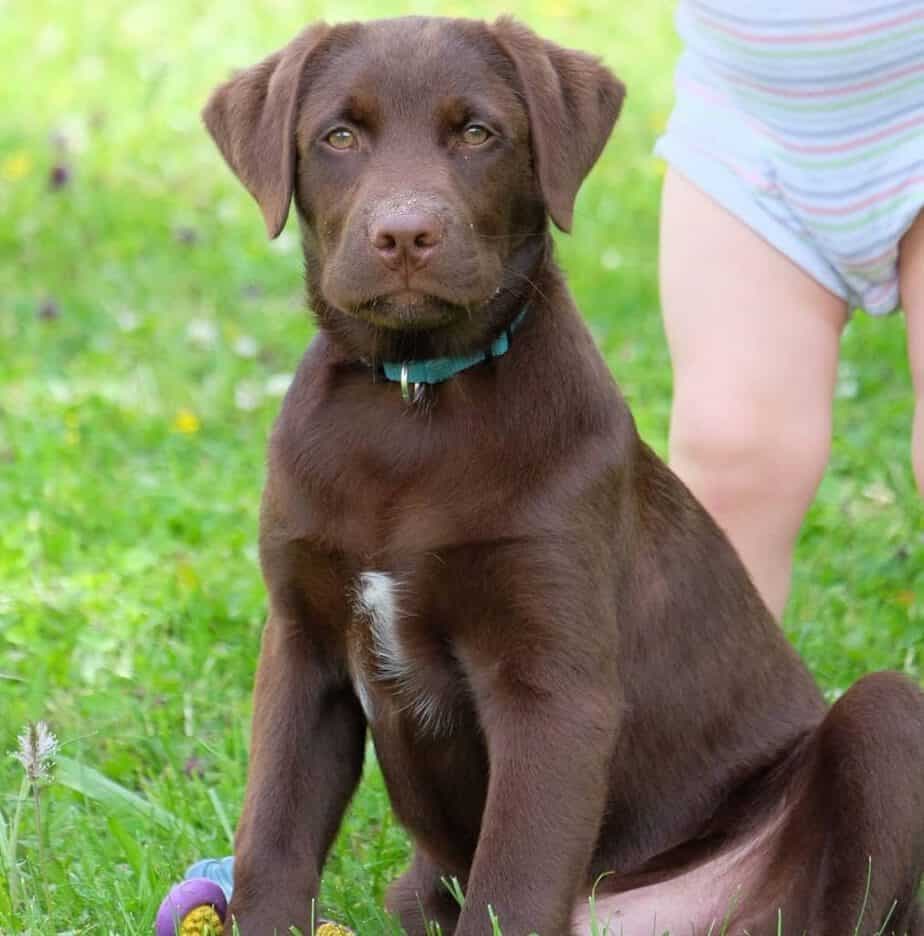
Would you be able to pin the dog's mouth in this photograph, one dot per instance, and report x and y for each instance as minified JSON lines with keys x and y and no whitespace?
{"x":408,"y":310}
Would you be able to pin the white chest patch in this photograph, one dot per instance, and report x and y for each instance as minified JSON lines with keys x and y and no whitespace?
{"x":376,"y":601}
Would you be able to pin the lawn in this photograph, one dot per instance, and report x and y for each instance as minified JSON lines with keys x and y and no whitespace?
{"x":147,"y":332}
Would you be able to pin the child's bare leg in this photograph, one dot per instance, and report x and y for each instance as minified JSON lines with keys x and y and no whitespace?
{"x":911,"y":271}
{"x":754,"y":343}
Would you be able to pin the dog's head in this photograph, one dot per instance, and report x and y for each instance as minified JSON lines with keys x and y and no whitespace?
{"x":424,"y":156}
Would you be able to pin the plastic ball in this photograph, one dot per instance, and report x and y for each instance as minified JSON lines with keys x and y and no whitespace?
{"x":192,"y":908}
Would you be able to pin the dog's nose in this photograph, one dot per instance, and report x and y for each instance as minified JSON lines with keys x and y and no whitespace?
{"x":406,"y":237}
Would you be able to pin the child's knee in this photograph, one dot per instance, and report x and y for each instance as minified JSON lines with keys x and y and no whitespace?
{"x":737,"y":459}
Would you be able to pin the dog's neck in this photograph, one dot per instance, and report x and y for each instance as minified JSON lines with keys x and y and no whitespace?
{"x":361,"y":341}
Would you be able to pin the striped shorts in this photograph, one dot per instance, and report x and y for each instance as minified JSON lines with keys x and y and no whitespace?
{"x":805,"y":119}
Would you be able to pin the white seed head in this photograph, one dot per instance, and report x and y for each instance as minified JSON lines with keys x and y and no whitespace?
{"x":38,"y":748}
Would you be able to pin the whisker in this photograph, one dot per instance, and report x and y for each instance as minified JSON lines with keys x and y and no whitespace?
{"x":525,"y":279}
{"x":510,"y":237}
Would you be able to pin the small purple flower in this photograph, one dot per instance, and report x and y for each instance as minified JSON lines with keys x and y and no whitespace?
{"x":59,"y":177}
{"x":49,"y":310}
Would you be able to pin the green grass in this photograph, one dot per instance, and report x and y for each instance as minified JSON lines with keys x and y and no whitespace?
{"x":146,"y":328}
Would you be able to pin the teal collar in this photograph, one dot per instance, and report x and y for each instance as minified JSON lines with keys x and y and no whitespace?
{"x":437,"y":370}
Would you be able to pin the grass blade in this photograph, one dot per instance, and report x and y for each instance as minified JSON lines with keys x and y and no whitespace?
{"x":90,"y":783}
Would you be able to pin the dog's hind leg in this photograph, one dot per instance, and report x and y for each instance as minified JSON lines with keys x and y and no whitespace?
{"x":916,"y":925}
{"x":861,"y":812}
{"x":420,"y":898}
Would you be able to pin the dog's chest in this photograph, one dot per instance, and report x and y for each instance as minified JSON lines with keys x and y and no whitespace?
{"x":399,"y":666}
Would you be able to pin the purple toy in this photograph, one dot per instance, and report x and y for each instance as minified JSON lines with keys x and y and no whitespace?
{"x":192,"y":908}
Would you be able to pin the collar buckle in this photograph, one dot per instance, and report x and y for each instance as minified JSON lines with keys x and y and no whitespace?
{"x":405,"y":391}
{"x":406,"y":386}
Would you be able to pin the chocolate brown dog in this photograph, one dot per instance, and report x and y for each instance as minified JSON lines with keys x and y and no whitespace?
{"x":563,"y":664}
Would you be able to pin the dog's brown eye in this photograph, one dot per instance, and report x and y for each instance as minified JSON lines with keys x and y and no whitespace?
{"x":341,"y":138}
{"x":475,"y":134}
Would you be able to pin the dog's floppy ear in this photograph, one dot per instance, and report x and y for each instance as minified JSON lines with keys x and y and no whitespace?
{"x":252,"y":119}
{"x":572,"y":100}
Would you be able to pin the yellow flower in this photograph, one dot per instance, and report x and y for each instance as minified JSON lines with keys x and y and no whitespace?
{"x":16,"y":167}
{"x":906,"y":598}
{"x":186,"y":575}
{"x":186,"y":422}
{"x":557,"y":8}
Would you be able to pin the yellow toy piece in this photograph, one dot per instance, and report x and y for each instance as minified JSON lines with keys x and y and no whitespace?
{"x":202,"y":921}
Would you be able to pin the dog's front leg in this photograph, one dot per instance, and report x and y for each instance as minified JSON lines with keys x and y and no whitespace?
{"x":305,"y":762}
{"x":549,"y":758}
